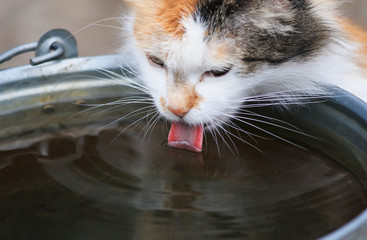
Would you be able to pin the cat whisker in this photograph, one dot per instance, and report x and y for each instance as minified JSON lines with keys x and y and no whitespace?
{"x":105,"y":26}
{"x":228,"y":134}
{"x":284,"y":97}
{"x":245,"y":121}
{"x":151,"y":122}
{"x":139,"y":111}
{"x":234,"y":126}
{"x":272,"y":124}
{"x":279,"y":103}
{"x":239,"y":137}
{"x":96,"y":23}
{"x":250,"y":113}
{"x":114,"y":107}
{"x":132,"y":70}
{"x":218,"y":126}
{"x":212,"y":131}
{"x":113,"y":76}
{"x":130,"y":114}
{"x":127,"y":68}
{"x":291,"y":91}
{"x":115,"y":104}
{"x":287,"y":92}
{"x":155,"y":122}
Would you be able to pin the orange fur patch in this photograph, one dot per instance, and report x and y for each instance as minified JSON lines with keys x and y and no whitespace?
{"x":360,"y":36}
{"x":164,"y":15}
{"x":182,"y":98}
{"x":220,"y":52}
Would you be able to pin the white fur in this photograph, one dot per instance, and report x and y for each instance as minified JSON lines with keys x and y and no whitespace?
{"x":333,"y":66}
{"x":128,"y":41}
{"x":222,"y":96}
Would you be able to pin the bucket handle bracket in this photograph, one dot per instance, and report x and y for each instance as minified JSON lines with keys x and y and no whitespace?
{"x":53,"y":45}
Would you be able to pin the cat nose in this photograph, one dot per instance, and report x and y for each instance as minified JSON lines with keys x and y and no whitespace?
{"x":179,"y":112}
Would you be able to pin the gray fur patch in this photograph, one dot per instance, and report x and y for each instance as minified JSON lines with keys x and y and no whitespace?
{"x":267,"y":32}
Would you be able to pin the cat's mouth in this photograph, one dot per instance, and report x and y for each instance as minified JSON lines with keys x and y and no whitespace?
{"x":185,"y":136}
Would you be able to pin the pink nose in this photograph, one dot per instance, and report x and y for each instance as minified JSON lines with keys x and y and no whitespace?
{"x":179,"y":112}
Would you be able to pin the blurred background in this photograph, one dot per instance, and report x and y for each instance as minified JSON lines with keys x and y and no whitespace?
{"x":23,"y":21}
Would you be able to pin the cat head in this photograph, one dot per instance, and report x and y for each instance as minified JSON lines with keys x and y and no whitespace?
{"x":202,"y":59}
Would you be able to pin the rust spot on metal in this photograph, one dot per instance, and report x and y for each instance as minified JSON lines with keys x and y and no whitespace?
{"x":81,"y":103}
{"x":48,"y":109}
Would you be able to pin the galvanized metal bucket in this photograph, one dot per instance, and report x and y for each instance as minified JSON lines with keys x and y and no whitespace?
{"x":42,"y":98}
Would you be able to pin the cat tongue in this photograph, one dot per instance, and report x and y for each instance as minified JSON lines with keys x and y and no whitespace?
{"x":187,"y":137}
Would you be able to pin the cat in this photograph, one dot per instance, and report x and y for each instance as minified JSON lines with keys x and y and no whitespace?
{"x":201,"y":60}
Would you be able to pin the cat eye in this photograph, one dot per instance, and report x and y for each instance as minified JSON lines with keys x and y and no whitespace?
{"x":218,"y":73}
{"x":156,"y":61}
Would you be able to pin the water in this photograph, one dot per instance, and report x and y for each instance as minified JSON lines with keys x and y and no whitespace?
{"x":126,"y":186}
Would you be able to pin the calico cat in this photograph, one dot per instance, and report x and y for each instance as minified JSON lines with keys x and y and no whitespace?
{"x":201,"y":60}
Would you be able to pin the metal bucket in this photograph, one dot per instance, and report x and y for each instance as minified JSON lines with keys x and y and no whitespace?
{"x":41,"y":99}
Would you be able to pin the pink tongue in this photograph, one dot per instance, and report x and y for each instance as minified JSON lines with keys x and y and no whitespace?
{"x":187,"y":137}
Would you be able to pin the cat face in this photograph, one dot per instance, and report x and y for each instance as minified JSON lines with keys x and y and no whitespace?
{"x":191,"y":78}
{"x":202,"y":59}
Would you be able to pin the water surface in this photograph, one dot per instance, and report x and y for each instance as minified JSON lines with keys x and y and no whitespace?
{"x":114,"y":185}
